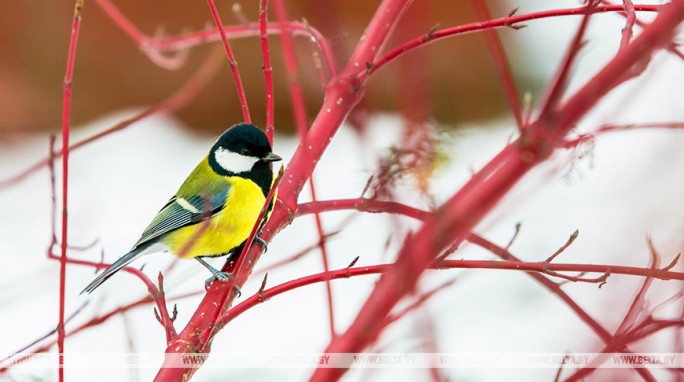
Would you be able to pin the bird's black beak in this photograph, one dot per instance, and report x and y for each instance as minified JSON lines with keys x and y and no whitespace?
{"x":270,"y":157}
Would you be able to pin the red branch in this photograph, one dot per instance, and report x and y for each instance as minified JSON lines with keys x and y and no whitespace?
{"x":66,"y":113}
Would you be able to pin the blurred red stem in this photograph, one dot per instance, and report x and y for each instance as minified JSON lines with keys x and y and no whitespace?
{"x":299,"y":108}
{"x":501,"y":63}
{"x":627,"y":31}
{"x":324,"y":258}
{"x":149,"y":45}
{"x":672,"y":47}
{"x":554,"y":92}
{"x":616,"y":128}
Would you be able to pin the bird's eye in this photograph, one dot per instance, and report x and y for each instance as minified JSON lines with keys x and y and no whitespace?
{"x":246,"y":152}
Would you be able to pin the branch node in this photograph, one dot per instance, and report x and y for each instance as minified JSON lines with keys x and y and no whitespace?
{"x":431,"y":32}
{"x":160,"y":279}
{"x":604,"y":279}
{"x":516,"y":26}
{"x":513,"y":11}
{"x":260,"y":293}
{"x":672,"y":263}
{"x":349,"y":267}
{"x":518,"y":225}
{"x":369,"y":67}
{"x":157,"y":316}
{"x":565,"y":246}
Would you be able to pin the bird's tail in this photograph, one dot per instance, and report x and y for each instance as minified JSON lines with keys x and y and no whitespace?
{"x":115,"y":267}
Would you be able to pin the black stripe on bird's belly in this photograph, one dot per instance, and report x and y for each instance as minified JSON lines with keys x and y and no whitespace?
{"x":262,"y":175}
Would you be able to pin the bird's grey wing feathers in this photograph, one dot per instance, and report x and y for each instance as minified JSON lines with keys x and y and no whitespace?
{"x":180,"y":212}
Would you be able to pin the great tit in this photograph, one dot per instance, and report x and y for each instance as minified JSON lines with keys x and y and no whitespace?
{"x":214,"y":210}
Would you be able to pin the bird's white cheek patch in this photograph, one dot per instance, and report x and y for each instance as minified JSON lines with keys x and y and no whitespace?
{"x":234,"y":162}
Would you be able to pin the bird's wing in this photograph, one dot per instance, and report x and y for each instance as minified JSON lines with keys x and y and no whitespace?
{"x":182,"y":211}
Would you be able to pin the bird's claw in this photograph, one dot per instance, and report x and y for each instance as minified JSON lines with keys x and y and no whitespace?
{"x":222,"y":277}
{"x":261,"y":242}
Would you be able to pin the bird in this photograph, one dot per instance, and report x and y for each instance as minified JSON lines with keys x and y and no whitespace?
{"x":214,"y":210}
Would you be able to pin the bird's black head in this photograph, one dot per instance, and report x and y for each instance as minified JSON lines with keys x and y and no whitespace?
{"x":244,"y":139}
{"x":239,"y":148}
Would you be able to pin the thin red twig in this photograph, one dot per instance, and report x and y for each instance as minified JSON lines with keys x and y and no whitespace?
{"x":163,"y":316}
{"x":231,"y":62}
{"x":565,"y":246}
{"x":418,"y":302}
{"x":268,"y":69}
{"x":292,"y":258}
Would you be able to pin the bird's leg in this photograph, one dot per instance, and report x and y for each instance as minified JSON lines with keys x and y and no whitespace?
{"x":217,"y":275}
{"x":261,"y":242}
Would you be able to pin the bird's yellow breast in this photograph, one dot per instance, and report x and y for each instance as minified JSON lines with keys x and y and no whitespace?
{"x":225,"y":230}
